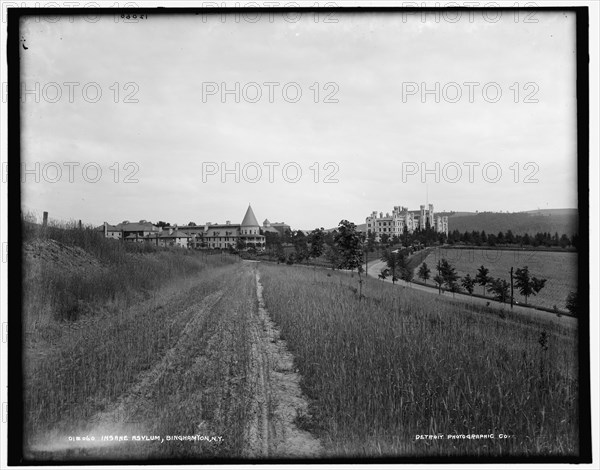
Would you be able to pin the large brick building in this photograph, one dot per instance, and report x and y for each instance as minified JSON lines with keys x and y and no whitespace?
{"x":413,"y":220}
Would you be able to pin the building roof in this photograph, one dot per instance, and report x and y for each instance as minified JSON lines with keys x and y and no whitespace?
{"x":175,"y":234}
{"x":109,"y":228}
{"x":269,"y":230}
{"x":191,"y":229}
{"x":249,"y":218}
{"x":137,"y":227}
{"x":222,"y":226}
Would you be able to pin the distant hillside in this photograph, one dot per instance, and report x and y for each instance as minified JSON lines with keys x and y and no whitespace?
{"x":548,"y":220}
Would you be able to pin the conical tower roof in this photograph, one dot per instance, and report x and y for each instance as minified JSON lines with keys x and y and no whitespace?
{"x":249,"y":218}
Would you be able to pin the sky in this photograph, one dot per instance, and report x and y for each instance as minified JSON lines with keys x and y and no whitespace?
{"x":310,"y":121}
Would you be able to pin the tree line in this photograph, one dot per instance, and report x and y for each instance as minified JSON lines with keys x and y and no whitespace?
{"x":544,"y":239}
{"x":346,"y":248}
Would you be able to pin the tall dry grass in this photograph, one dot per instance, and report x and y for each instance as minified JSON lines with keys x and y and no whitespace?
{"x":402,"y":363}
{"x":97,"y":313}
{"x":86,"y":272}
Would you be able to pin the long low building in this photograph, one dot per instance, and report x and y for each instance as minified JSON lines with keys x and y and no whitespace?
{"x":247,"y":234}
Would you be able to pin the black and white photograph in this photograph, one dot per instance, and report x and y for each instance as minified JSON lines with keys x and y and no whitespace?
{"x":308,"y":232}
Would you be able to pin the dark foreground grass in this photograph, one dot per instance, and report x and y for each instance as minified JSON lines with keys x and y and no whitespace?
{"x":76,"y":271}
{"x":99,"y":315}
{"x":401,"y":364}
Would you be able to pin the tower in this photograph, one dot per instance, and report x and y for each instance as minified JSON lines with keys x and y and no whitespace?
{"x":250,"y":230}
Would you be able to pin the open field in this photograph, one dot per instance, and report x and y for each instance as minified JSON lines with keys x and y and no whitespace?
{"x":187,"y":352}
{"x":559,"y":268}
{"x":400,"y":364}
{"x":199,"y":359}
{"x":275,"y":361}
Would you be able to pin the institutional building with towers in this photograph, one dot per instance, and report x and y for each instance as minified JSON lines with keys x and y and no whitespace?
{"x":401,"y":217}
{"x":227,"y":235}
{"x":209,"y":236}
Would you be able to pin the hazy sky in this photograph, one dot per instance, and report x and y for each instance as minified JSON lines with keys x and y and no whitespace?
{"x":370,"y":121}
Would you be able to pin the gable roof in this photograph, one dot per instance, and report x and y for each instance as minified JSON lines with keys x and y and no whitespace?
{"x":137,"y":227}
{"x":175,"y":234}
{"x":249,"y":218}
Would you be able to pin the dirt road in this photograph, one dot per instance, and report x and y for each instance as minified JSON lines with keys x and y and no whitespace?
{"x":279,"y":399}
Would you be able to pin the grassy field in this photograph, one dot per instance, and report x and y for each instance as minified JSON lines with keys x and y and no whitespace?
{"x":132,"y":340}
{"x":560,"y":269}
{"x":125,"y":340}
{"x":399,"y":364}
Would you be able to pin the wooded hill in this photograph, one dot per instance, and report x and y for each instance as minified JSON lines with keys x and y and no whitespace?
{"x":550,"y":220}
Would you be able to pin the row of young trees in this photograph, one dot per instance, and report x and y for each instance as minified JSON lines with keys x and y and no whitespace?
{"x":526,"y":284}
{"x":447,"y":277}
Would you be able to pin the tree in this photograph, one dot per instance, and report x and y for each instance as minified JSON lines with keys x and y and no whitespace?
{"x":287,"y":236}
{"x":500,"y":289}
{"x":316,"y":239}
{"x":300,"y":246}
{"x":405,"y":235}
{"x":384,"y":274}
{"x":468,"y":283}
{"x":406,"y":274}
{"x":162,"y":224}
{"x":439,"y":280}
{"x":454,"y":288}
{"x":272,"y":241}
{"x":349,"y":245}
{"x":332,"y":255}
{"x":240,"y":244}
{"x":192,"y":224}
{"x":573,"y":303}
{"x":527,"y":285}
{"x":448,"y":274}
{"x":394,"y":263}
{"x":510,"y":238}
{"x":424,"y":272}
{"x":371,"y":240}
{"x":384,"y":239}
{"x":482,"y":277}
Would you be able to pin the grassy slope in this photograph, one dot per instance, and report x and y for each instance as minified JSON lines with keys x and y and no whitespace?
{"x":560,"y":269}
{"x":398,"y":364}
{"x":74,"y":384}
{"x":99,"y":316}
